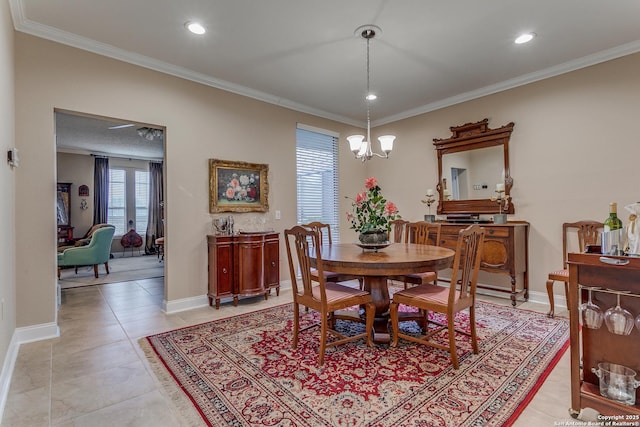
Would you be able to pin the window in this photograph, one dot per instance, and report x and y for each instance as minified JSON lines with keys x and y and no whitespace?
{"x":317,"y":177}
{"x":142,"y":200}
{"x":117,"y":200}
{"x":128,"y":199}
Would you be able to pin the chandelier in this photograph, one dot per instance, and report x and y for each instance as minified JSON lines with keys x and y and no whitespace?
{"x":150,"y":133}
{"x":360,"y":147}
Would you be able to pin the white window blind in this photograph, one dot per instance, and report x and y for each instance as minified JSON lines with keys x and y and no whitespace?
{"x":117,"y":200}
{"x":142,"y":200}
{"x":317,"y":178}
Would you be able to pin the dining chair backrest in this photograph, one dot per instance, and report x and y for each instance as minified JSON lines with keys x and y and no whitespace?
{"x":300,"y":241}
{"x":324,"y":230}
{"x":398,"y":226}
{"x":423,"y":233}
{"x":588,"y":234}
{"x":466,"y":264}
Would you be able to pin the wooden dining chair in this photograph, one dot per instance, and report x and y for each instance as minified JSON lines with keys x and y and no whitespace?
{"x":422,"y":233}
{"x":397,"y":227}
{"x":325,"y":297}
{"x":587,"y":233}
{"x":324,"y":230}
{"x":460,"y":295}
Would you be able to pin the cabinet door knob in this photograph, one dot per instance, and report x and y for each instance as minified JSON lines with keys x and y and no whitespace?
{"x":224,"y":270}
{"x":491,"y":231}
{"x":273,"y":264}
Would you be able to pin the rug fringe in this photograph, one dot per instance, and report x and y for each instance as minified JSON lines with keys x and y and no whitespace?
{"x":183,"y":405}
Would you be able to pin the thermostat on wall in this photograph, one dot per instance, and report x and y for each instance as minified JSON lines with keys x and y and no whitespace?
{"x":12,"y":157}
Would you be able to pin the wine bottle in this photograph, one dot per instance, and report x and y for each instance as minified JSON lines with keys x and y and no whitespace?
{"x":612,"y":222}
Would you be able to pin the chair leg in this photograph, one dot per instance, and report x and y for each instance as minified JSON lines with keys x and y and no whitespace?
{"x":323,"y":338}
{"x":393,"y":311}
{"x":76,"y":269}
{"x":452,"y":341}
{"x":95,"y":270}
{"x":296,"y":325}
{"x":106,"y":266}
{"x":370,"y":312}
{"x":472,"y":320}
{"x":59,"y":268}
{"x":550,"y":294}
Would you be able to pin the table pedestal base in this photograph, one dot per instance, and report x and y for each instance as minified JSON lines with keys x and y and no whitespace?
{"x":378,"y":288}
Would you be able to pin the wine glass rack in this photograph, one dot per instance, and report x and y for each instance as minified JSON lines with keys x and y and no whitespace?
{"x":607,"y":281}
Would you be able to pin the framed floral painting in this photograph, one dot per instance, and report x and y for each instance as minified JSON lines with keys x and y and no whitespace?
{"x":238,"y":186}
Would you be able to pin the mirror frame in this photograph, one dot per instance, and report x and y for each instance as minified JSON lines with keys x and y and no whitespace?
{"x":472,"y":136}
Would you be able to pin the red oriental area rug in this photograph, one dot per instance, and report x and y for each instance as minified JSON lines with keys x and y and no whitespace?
{"x":241,"y":371}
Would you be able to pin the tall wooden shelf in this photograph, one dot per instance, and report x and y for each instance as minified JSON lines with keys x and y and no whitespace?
{"x":592,"y":346}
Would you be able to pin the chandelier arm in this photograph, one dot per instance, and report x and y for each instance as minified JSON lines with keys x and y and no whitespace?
{"x":366,"y":153}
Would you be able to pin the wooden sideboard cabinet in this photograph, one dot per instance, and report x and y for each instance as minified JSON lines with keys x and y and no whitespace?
{"x":592,"y":346}
{"x":506,"y":251}
{"x":243,"y":265}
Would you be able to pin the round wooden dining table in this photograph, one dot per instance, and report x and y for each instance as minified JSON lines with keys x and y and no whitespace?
{"x":377,"y":266}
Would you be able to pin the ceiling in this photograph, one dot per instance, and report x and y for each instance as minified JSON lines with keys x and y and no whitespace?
{"x":305,"y":55}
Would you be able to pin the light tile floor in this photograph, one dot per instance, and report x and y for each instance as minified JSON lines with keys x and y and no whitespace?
{"x":95,"y":373}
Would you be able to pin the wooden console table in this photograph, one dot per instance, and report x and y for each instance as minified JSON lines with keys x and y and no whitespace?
{"x":592,"y":346}
{"x":506,"y":251}
{"x":243,"y":265}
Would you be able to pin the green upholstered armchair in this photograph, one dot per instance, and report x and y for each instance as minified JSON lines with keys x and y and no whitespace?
{"x":96,"y":252}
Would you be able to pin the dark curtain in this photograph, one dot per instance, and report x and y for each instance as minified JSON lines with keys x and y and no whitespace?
{"x":101,"y":190}
{"x":155,"y":226}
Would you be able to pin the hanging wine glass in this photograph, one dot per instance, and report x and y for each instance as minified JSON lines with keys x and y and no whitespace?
{"x":591,"y":314}
{"x":618,"y":320}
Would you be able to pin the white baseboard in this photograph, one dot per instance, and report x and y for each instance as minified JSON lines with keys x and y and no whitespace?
{"x":7,"y":371}
{"x":176,"y":306}
{"x":21,"y":336}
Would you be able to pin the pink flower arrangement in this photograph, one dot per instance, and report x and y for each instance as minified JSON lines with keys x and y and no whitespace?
{"x":371,"y":211}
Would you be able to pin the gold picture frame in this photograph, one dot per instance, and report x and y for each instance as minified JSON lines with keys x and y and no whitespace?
{"x":238,"y":186}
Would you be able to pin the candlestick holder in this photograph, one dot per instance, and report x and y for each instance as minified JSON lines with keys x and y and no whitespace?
{"x":503,"y":200}
{"x":429,"y":201}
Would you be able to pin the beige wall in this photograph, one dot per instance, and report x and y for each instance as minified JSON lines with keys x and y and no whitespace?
{"x":201,"y":123}
{"x":7,"y":185}
{"x":572,"y":151}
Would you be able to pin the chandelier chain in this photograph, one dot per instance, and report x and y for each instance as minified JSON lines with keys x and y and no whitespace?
{"x":368,"y":37}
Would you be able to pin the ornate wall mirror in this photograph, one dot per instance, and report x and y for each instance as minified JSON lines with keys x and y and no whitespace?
{"x":470,"y":165}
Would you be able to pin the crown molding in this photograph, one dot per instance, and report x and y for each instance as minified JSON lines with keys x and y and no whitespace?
{"x":46,"y":32}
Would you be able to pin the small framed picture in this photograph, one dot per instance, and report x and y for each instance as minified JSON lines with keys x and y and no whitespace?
{"x":238,"y":186}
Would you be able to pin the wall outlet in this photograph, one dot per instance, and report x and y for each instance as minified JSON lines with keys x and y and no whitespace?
{"x":277,"y":214}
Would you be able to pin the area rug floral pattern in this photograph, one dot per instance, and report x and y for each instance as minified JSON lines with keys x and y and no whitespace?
{"x":242,"y":371}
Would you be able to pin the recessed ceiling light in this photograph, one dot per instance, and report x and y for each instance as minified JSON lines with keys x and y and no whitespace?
{"x":371,"y":97}
{"x":195,"y":27}
{"x":524,"y":38}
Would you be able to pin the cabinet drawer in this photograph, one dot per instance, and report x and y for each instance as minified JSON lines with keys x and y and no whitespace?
{"x":496,"y":231}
